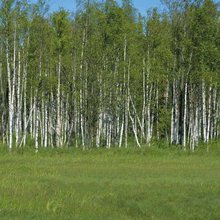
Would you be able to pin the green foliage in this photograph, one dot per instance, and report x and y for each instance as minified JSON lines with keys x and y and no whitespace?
{"x":109,"y":62}
{"x":62,"y":30}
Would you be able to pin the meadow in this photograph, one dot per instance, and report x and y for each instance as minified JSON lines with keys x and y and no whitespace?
{"x":148,"y":183}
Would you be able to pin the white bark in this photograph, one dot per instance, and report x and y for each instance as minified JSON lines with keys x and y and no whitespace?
{"x":25,"y":104}
{"x":121,"y":133}
{"x":58,"y":124}
{"x":144,"y":101}
{"x":18,"y":110}
{"x":126,"y":96}
{"x":185,"y":115}
{"x":149,"y":116}
{"x":204,"y":112}
{"x":81,"y":90}
{"x":10,"y":97}
{"x":209,"y":115}
{"x":134,"y":130}
{"x":36,"y":123}
{"x":99,"y":127}
{"x":46,"y":127}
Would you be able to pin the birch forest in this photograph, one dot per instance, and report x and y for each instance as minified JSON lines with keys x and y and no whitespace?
{"x":107,"y":76}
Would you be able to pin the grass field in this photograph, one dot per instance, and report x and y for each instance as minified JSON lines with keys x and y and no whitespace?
{"x":110,"y":184}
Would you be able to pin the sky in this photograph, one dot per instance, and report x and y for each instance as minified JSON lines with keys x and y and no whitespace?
{"x":141,"y":5}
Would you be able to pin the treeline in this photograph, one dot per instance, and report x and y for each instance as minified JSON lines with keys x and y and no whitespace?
{"x":106,"y":75}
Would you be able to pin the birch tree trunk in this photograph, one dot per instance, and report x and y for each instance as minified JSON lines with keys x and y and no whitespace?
{"x":209,"y":115}
{"x":126,"y":94}
{"x":58,"y":125}
{"x":25,"y":103}
{"x":10,"y":97}
{"x":144,"y":100}
{"x":18,"y":110}
{"x":185,"y":115}
{"x":204,"y":112}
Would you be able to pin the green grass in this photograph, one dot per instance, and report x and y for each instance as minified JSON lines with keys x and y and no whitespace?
{"x":110,"y":184}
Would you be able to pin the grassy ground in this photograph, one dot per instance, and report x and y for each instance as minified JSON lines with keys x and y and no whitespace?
{"x":110,"y":184}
